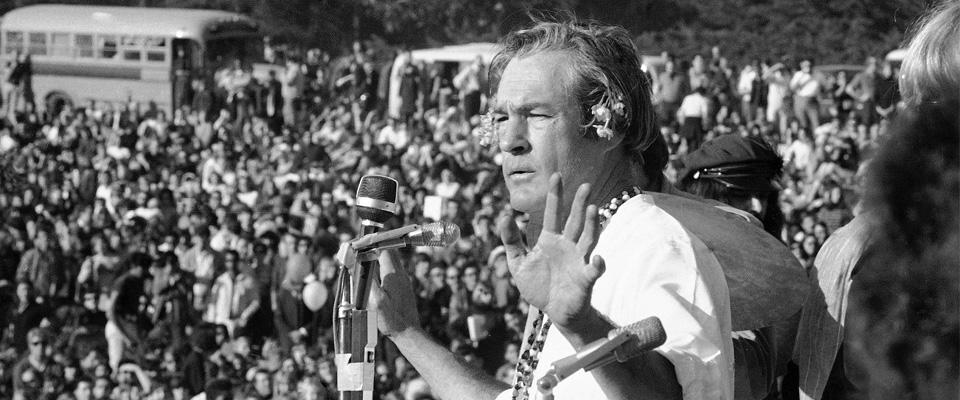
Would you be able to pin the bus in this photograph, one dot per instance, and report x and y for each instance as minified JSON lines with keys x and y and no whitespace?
{"x":82,"y":54}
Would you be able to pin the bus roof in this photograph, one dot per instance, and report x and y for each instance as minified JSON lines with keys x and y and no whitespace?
{"x":896,"y":55}
{"x":457,"y":53}
{"x":180,"y":22}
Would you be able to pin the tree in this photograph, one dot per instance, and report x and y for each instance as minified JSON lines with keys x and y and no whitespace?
{"x":830,"y":31}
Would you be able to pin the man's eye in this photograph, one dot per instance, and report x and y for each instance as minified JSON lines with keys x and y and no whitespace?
{"x":500,"y":118}
{"x":538,"y":116}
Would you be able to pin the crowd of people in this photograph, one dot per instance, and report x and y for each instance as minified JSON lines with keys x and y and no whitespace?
{"x":147,"y":256}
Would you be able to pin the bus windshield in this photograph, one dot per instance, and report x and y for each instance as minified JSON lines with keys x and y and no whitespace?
{"x":222,"y":52}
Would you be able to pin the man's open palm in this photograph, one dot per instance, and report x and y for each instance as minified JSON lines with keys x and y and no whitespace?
{"x":554,"y":276}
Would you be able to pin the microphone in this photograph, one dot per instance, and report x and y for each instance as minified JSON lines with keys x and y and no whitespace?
{"x":376,"y":200}
{"x":435,"y":234}
{"x":620,"y":345}
{"x":376,"y":204}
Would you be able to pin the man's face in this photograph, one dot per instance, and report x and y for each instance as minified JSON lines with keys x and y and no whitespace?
{"x":230,"y":262}
{"x":470,"y":276}
{"x":41,"y":241}
{"x":23,"y":292}
{"x":100,"y":388}
{"x":38,"y":347}
{"x":538,"y":127}
{"x":83,"y":391}
{"x":453,"y":277}
{"x":303,"y":247}
{"x":261,"y":382}
{"x":437,"y":276}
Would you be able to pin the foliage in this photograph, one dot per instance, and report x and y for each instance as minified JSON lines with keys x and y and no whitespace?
{"x":831,"y":31}
{"x":835,"y":31}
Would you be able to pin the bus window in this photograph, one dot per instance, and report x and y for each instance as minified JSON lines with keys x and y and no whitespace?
{"x":108,"y":46}
{"x":131,"y":55}
{"x":84,"y":45}
{"x":131,"y":47}
{"x":38,"y":44}
{"x":156,"y":48}
{"x":60,"y":45}
{"x":14,"y":42}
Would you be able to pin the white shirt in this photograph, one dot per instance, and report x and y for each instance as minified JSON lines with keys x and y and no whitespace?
{"x":397,"y":137}
{"x":654,"y":267}
{"x":804,"y":84}
{"x":694,"y":105}
{"x":745,"y":84}
{"x":800,"y":152}
{"x":777,"y":89}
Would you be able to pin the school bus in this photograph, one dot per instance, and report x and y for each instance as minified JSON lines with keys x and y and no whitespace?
{"x":121,"y":54}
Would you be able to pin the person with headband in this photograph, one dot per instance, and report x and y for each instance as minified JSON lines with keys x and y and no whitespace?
{"x":603,"y":247}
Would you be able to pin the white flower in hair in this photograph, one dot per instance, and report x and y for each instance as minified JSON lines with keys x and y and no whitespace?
{"x":619,"y":108}
{"x":603,"y":115}
{"x":604,"y":131}
{"x":485,"y":133}
{"x":601,"y":112}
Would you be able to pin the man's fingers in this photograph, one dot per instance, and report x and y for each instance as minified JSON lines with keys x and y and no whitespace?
{"x":511,"y":237}
{"x":376,"y":296}
{"x":389,"y":264}
{"x":574,"y":225}
{"x":551,"y":217}
{"x":588,"y":239}
{"x":594,"y":270}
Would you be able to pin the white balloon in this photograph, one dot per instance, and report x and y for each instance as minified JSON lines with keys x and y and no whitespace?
{"x":314,"y":295}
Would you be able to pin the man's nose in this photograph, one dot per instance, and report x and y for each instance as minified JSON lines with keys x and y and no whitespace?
{"x":512,"y":136}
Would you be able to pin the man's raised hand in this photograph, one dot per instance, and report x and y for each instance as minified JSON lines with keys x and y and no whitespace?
{"x":554,"y":275}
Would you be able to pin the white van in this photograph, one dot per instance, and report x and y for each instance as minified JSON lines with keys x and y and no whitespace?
{"x":462,"y":54}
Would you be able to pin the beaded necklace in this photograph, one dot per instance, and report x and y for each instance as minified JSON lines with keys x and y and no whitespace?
{"x":523,"y":375}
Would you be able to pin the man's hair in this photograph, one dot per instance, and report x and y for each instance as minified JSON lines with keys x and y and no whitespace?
{"x":710,"y":189}
{"x":234,"y":253}
{"x":606,"y":68}
{"x":219,"y":389}
{"x":911,"y":276}
{"x":40,"y":333}
{"x":929,"y":69}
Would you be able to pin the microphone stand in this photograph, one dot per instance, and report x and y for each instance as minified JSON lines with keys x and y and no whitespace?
{"x":355,"y":336}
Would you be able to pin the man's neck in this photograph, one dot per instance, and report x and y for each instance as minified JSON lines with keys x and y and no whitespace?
{"x":618,"y":174}
{"x":38,"y":362}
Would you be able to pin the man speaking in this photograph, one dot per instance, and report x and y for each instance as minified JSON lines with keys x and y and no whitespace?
{"x":572,"y":115}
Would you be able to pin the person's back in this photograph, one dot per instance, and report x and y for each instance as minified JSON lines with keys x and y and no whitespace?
{"x":863,"y":90}
{"x":744,"y":173}
{"x":672,"y":86}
